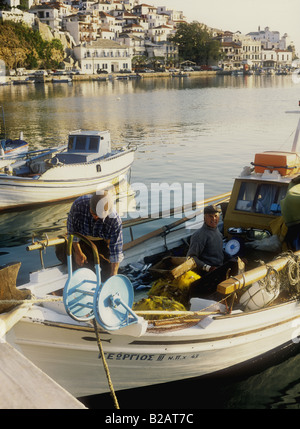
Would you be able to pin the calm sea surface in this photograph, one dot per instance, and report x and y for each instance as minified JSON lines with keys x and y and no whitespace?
{"x":191,"y":130}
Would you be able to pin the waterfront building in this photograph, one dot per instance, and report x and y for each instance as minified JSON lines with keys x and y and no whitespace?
{"x":166,"y":50}
{"x":135,"y":44}
{"x":251,"y":51}
{"x":102,"y":55}
{"x":276,"y":58}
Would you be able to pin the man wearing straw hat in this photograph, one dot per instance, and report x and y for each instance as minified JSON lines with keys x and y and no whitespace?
{"x":94,"y":217}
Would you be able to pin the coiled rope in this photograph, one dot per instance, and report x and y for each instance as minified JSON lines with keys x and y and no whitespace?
{"x":292,"y":269}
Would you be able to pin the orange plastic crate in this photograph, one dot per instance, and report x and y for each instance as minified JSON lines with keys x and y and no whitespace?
{"x":286,"y":163}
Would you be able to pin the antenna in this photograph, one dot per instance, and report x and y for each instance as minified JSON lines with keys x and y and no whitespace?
{"x":295,"y":142}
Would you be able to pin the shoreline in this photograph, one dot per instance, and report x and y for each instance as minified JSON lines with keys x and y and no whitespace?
{"x":7,"y":80}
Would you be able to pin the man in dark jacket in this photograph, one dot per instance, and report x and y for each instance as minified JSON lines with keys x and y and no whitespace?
{"x":206,"y":248}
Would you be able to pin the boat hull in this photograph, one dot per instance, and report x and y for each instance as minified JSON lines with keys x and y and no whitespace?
{"x":68,"y":351}
{"x":63,"y":182}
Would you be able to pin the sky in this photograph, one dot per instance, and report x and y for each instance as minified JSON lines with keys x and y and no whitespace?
{"x":241,"y":15}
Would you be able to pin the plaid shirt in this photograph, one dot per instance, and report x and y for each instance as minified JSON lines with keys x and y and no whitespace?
{"x":80,"y":220}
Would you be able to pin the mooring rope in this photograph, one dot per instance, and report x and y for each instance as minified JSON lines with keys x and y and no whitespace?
{"x":105,"y":366}
{"x":31,"y":300}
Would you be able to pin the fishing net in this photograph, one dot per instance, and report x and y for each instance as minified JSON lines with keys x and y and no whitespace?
{"x":158,"y":303}
{"x":176,"y":289}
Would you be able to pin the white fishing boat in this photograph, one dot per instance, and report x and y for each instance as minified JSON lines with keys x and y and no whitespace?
{"x":88,"y":163}
{"x":62,"y":80}
{"x":10,"y":149}
{"x":251,"y":315}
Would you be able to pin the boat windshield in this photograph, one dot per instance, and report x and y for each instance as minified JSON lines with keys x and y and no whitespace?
{"x":261,"y":198}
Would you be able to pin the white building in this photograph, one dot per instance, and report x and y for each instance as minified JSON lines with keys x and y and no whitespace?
{"x":271,"y":39}
{"x":47,"y":14}
{"x":17,"y":15}
{"x":162,"y":49}
{"x":83,"y":26}
{"x":104,"y":55}
{"x":276,"y":58}
{"x":135,"y":44}
{"x":160,"y":33}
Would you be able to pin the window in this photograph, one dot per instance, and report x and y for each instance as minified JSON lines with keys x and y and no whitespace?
{"x":80,"y":143}
{"x":93,"y":146}
{"x":260,"y":198}
{"x":71,"y":141}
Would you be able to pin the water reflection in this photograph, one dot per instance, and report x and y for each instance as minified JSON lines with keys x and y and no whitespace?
{"x":17,"y":228}
{"x":136,"y":110}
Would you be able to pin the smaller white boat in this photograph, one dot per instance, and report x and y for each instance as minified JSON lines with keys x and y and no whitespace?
{"x":122,"y":77}
{"x":180,"y":74}
{"x":10,"y":149}
{"x":61,"y":80}
{"x":83,"y":166}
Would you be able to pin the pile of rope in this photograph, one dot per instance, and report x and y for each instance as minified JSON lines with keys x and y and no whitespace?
{"x":289,"y":277}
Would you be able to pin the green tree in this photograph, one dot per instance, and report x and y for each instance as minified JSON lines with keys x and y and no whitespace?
{"x":22,"y":46}
{"x":195,"y":43}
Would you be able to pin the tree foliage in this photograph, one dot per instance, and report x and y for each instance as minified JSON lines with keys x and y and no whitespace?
{"x":21,"y":46}
{"x":195,"y":43}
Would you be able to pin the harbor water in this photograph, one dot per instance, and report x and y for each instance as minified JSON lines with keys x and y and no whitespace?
{"x":194,"y":130}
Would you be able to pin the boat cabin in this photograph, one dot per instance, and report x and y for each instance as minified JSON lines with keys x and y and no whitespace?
{"x":257,"y":194}
{"x":85,"y":146}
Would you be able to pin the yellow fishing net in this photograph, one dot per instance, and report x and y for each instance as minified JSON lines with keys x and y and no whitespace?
{"x":158,"y":303}
{"x":177,"y":289}
{"x":167,"y":294}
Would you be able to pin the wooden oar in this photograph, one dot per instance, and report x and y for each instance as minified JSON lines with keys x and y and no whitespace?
{"x":174,"y":313}
{"x":157,"y":232}
{"x":161,"y":230}
{"x":247,"y":278}
{"x":173,"y":211}
{"x":133,"y":222}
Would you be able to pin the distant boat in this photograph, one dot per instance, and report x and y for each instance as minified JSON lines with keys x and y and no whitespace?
{"x":26,"y":81}
{"x":61,"y":80}
{"x":180,"y":74}
{"x":102,"y":78}
{"x":10,"y":149}
{"x":87,"y":164}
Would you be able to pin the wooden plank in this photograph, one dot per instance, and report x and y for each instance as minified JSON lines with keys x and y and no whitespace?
{"x":24,"y":386}
{"x":247,"y":278}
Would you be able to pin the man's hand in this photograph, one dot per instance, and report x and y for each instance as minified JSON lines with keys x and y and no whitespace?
{"x":114,"y":268}
{"x":208,"y":268}
{"x":80,"y":257}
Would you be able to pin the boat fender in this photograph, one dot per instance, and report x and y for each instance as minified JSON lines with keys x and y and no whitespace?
{"x":257,"y":296}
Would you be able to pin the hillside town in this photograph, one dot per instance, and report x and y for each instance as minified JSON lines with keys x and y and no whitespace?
{"x":106,"y":36}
